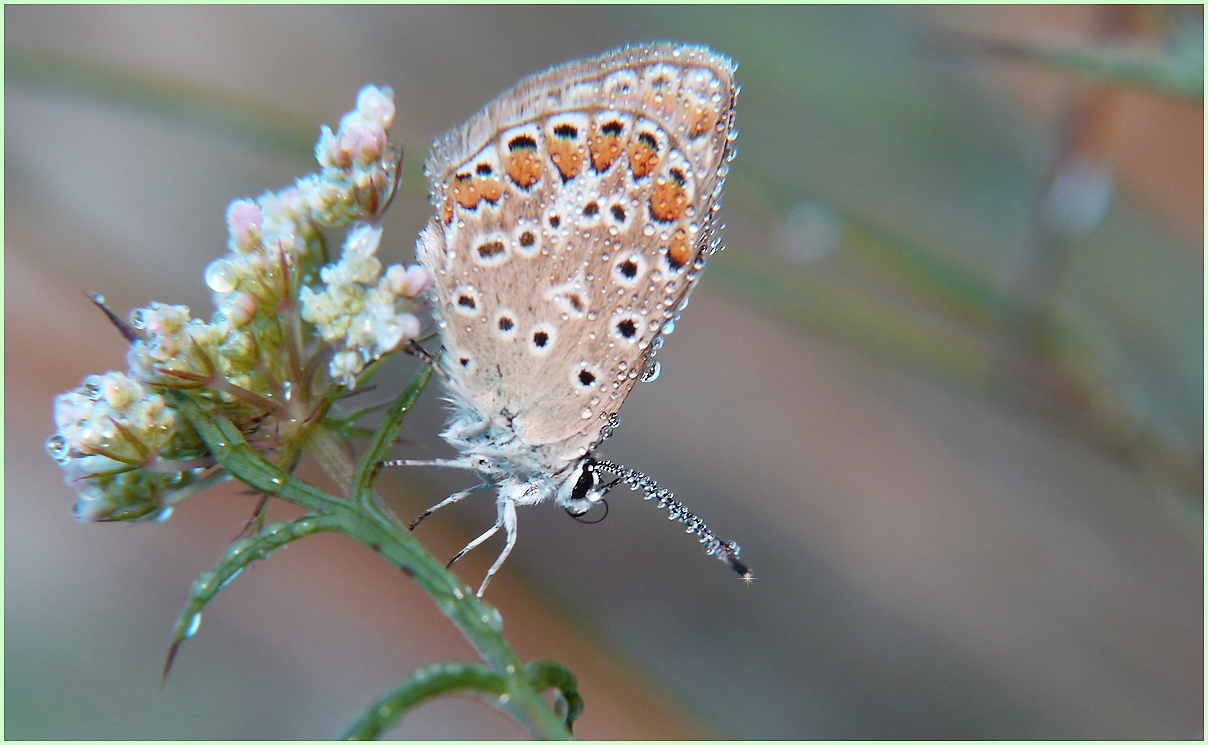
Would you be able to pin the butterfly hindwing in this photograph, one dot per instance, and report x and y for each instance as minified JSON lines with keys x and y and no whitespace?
{"x":573,"y":216}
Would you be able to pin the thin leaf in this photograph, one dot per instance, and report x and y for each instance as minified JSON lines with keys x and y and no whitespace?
{"x":238,"y":556}
{"x":226,"y":443}
{"x":385,"y":436}
{"x":434,"y":680}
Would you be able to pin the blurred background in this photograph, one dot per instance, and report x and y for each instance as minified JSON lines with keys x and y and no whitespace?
{"x":945,"y":385}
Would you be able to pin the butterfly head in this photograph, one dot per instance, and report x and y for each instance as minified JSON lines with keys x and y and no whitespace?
{"x":581,"y":490}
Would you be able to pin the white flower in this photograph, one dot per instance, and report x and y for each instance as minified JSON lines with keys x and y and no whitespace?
{"x":408,"y":283}
{"x":113,"y":415}
{"x":344,"y":367}
{"x":362,"y":313}
{"x":377,"y":105}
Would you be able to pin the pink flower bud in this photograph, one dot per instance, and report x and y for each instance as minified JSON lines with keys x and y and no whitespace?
{"x":244,"y":222}
{"x":239,"y":308}
{"x":396,"y":280}
{"x":369,"y":140}
{"x":377,"y":104}
{"x":417,"y":280}
{"x":409,"y":327}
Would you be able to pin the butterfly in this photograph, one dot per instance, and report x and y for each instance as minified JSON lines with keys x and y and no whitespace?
{"x":573,"y":217}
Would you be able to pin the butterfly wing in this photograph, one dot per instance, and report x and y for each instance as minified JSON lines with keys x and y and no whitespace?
{"x":574,"y":214}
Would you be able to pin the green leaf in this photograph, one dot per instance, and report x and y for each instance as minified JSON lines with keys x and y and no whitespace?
{"x":238,"y":556}
{"x":385,"y":437}
{"x":543,"y":674}
{"x":434,"y":680}
{"x":225,"y":442}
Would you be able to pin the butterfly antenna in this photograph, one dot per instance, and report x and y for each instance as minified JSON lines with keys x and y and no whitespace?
{"x":638,"y":481}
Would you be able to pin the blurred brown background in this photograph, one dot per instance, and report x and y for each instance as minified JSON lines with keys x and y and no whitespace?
{"x":945,"y":385}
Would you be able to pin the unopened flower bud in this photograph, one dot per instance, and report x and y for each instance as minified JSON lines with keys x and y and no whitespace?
{"x":245,"y":224}
{"x":377,"y":104}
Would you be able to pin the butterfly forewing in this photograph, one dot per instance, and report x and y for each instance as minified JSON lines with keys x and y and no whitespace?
{"x":573,"y":216}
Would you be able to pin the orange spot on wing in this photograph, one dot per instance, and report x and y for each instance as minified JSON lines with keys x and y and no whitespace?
{"x":465,"y":190}
{"x":490,"y":187}
{"x":701,"y":122}
{"x":605,"y":145}
{"x":523,"y":163}
{"x":567,"y":156}
{"x":643,"y":154}
{"x":668,"y":198}
{"x":678,"y":251}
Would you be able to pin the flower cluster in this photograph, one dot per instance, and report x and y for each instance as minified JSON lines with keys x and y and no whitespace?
{"x":360,"y":310}
{"x":111,"y":433}
{"x":258,"y":361}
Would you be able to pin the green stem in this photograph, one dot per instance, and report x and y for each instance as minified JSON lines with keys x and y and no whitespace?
{"x":360,"y":519}
{"x":426,"y":683}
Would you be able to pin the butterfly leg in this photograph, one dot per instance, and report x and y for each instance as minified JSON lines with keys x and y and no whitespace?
{"x":448,"y":501}
{"x":477,"y":541}
{"x":507,"y":516}
{"x":438,"y":462}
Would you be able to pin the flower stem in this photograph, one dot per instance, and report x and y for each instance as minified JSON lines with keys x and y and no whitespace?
{"x":359,"y":518}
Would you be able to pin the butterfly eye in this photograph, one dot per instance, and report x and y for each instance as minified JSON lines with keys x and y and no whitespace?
{"x":587,"y":480}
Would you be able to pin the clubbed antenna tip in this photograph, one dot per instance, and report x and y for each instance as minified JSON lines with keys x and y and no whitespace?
{"x":638,"y":481}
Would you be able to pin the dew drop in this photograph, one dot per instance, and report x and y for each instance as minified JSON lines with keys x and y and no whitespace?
{"x":58,"y":448}
{"x":586,"y":412}
{"x":492,"y":619}
{"x":221,"y":276}
{"x":194,"y":624}
{"x":230,"y":579}
{"x":302,"y":527}
{"x":651,"y":373}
